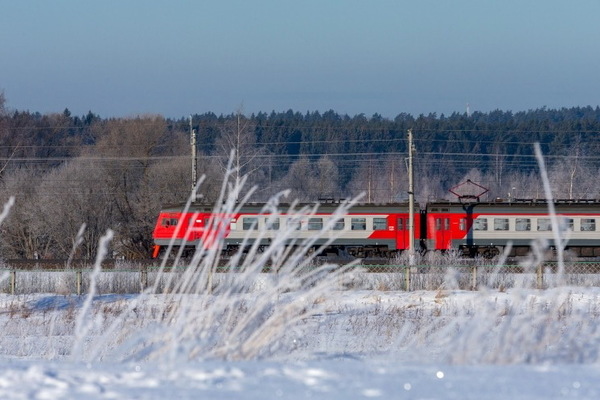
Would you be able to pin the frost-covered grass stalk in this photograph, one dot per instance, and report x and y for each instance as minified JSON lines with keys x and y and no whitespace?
{"x":494,"y":325}
{"x":5,"y":211}
{"x":299,"y":310}
{"x":83,"y":323}
{"x":521,"y":325}
{"x":243,"y":315}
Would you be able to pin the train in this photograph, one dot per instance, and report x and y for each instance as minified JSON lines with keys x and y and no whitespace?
{"x":471,"y":228}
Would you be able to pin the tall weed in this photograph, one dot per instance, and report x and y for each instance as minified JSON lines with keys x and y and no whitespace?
{"x":198,"y":317}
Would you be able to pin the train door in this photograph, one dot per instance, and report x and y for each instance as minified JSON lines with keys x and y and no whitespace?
{"x":442,"y":233}
{"x":401,"y":233}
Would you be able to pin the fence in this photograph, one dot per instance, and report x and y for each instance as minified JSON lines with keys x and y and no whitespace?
{"x":462,"y":275}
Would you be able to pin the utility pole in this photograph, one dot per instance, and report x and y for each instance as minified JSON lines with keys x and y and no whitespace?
{"x":411,"y":201}
{"x":194,"y":157}
{"x":369,"y":178}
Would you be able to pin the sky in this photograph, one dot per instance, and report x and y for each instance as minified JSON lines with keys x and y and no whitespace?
{"x":175,"y":58}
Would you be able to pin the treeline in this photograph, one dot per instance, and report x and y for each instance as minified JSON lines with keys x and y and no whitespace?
{"x":368,"y":153}
{"x":115,"y":173}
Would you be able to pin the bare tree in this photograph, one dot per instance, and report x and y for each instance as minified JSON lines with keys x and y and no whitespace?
{"x":363,"y":180}
{"x":498,"y":167}
{"x":129,"y":150}
{"x":525,"y":185}
{"x":298,"y":180}
{"x":382,"y":181}
{"x":24,"y":234}
{"x":6,"y":139}
{"x":311,"y":181}
{"x":74,"y":194}
{"x":573,"y":176}
{"x":238,"y":138}
{"x":326,"y":178}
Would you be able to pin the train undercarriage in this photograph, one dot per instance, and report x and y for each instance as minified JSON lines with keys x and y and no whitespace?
{"x":489,"y":252}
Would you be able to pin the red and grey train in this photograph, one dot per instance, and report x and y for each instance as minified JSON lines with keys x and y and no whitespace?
{"x":369,"y":230}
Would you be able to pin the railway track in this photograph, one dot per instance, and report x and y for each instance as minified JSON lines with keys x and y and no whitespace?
{"x":151,"y":263}
{"x":57,"y":264}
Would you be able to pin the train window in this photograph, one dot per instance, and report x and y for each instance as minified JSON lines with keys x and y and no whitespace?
{"x":339,"y":225}
{"x":568,"y":224}
{"x":315,"y":224}
{"x":588,"y":224}
{"x":500,"y":224}
{"x":442,"y":224}
{"x":249,"y":223}
{"x":480,"y":224}
{"x":523,"y":224}
{"x":544,"y":224}
{"x":400,"y":224}
{"x":272,"y":224}
{"x":294,"y":223}
{"x":169,"y":222}
{"x":379,"y":224}
{"x":462,"y":224}
{"x":358,"y":224}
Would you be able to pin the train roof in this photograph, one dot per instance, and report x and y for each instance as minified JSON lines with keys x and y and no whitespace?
{"x":326,"y":207}
{"x":514,"y":201}
{"x":515,"y":205}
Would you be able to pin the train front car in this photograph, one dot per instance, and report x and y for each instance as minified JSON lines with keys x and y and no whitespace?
{"x":179,"y":228}
{"x":486,"y":229}
{"x":365,"y":231}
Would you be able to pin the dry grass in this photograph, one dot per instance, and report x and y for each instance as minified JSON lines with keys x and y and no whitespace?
{"x":198,"y":314}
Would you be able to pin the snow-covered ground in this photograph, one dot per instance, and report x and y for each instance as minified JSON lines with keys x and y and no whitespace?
{"x":342,"y":378}
{"x":444,"y":344}
{"x":300,"y":332}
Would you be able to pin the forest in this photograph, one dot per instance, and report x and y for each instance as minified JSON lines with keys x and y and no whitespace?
{"x":74,"y":177}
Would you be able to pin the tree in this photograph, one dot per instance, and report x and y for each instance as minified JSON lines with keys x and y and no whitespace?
{"x":4,"y":121}
{"x":23,"y":232}
{"x":382,"y":181}
{"x":74,"y":194}
{"x":326,"y":178}
{"x":311,"y":181}
{"x":298,"y":180}
{"x":2,"y":104}
{"x":129,"y":150}
{"x":238,"y":140}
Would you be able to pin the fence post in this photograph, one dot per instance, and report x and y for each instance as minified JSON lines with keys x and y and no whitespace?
{"x":474,"y":278}
{"x":143,"y":277}
{"x":78,"y":281}
{"x":540,"y":276}
{"x":13,"y":282}
{"x":407,"y":278}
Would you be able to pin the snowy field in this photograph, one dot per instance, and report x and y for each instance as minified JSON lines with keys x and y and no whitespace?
{"x":323,"y":379}
{"x":348,"y":344}
{"x":306,"y":333}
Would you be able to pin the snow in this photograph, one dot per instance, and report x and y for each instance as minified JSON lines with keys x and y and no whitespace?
{"x":346,"y":378}
{"x":356,"y":347}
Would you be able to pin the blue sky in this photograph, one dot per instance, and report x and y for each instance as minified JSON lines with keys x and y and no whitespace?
{"x":121,"y":58}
